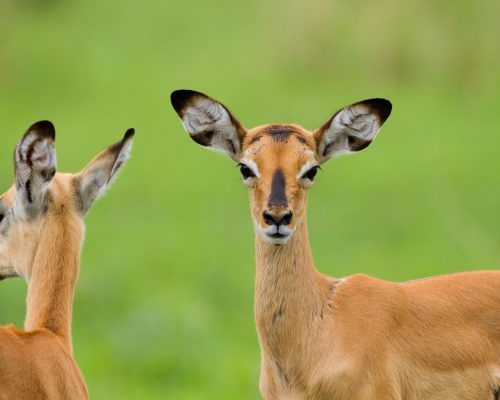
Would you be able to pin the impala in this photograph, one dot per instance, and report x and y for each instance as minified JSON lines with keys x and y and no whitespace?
{"x":41,"y":234}
{"x":355,"y":338}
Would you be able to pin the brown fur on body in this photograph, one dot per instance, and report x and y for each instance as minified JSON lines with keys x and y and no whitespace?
{"x":38,"y":363}
{"x":365,"y":338}
{"x":40,"y":367}
{"x":356,"y":338}
{"x":41,"y":234}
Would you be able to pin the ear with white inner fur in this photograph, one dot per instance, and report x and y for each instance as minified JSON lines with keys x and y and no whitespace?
{"x":35,"y":166}
{"x":98,"y":175}
{"x":352,"y":128}
{"x":208,"y":122}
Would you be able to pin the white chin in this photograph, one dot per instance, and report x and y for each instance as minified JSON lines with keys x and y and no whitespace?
{"x":271,"y":234}
{"x":276,"y":240}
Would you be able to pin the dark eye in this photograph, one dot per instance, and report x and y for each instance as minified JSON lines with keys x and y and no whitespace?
{"x":1,"y":217}
{"x":246,"y":172}
{"x":311,"y":174}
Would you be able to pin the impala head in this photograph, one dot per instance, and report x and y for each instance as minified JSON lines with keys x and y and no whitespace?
{"x":42,"y":199}
{"x":278,"y":162}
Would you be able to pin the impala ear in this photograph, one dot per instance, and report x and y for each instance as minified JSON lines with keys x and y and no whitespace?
{"x":352,"y":128}
{"x":35,"y":166}
{"x":97,"y":176}
{"x":208,"y":122}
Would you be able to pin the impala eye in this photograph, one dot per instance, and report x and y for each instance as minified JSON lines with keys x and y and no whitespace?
{"x":246,"y":172}
{"x":311,"y":174}
{"x":1,"y":217}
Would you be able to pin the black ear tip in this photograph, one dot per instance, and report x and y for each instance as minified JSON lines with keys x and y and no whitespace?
{"x":179,"y":98}
{"x":382,"y":107}
{"x":129,"y":134}
{"x":44,"y":129}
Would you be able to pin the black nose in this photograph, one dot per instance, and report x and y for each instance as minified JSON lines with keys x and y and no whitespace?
{"x":273,"y":219}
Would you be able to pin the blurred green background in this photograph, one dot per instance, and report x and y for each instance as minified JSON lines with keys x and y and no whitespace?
{"x":164,"y":307}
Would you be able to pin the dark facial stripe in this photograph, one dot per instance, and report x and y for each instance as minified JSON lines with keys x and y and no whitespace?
{"x":278,"y":193}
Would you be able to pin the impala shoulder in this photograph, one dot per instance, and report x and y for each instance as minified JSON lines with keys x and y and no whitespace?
{"x":368,"y":292}
{"x":367,"y":282}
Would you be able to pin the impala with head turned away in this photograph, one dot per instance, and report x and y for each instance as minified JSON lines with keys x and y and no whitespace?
{"x":41,"y":234}
{"x":355,"y":338}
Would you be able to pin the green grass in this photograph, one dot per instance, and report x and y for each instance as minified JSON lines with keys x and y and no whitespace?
{"x":164,"y":307}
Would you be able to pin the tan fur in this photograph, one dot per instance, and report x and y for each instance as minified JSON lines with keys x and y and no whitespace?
{"x":361,"y":337}
{"x":356,"y":338}
{"x":41,"y":234}
{"x":38,"y":363}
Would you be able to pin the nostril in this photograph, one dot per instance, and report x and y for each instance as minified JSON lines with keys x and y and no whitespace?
{"x":272,"y":219}
{"x":286,"y":218}
{"x":269,"y":218}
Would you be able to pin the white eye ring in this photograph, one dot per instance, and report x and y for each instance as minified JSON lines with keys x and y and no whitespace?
{"x":251,"y":165}
{"x":305,"y":168}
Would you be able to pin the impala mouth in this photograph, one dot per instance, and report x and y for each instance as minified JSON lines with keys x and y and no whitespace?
{"x":277,"y":238}
{"x":275,"y":234}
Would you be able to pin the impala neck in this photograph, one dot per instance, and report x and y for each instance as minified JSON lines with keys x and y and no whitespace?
{"x":288,"y":290}
{"x":53,"y":275}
